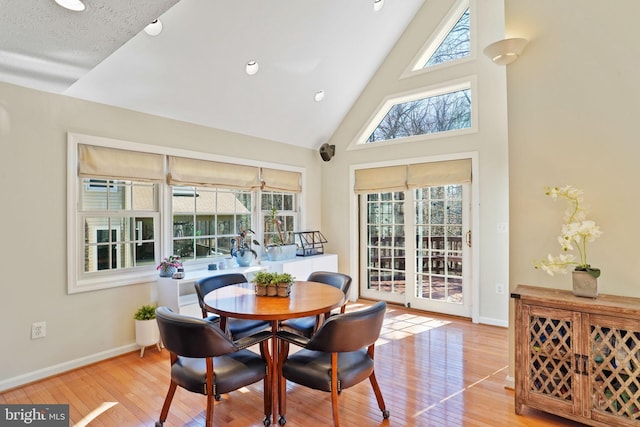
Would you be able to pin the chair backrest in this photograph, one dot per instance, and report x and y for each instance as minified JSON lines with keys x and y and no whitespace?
{"x":207,"y":284}
{"x":338,"y":280}
{"x":349,"y":331}
{"x":192,"y":337}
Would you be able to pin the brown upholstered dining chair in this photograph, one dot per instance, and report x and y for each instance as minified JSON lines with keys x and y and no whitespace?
{"x":237,"y":328}
{"x":338,"y":356}
{"x":306,"y":326}
{"x":205,"y":360}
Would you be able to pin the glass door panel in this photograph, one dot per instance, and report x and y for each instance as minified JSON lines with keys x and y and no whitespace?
{"x":383,"y":251}
{"x":439,"y":221}
{"x":435,"y":277}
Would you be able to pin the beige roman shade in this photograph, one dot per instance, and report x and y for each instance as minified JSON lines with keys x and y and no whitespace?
{"x":376,"y":180}
{"x":439,"y":173}
{"x":279,"y":180}
{"x":204,"y":173}
{"x":417,"y":175}
{"x":104,"y":162}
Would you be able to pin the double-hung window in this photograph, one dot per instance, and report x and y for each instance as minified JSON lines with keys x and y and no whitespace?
{"x":120,"y":224}
{"x":114,"y":233}
{"x":132,"y":204}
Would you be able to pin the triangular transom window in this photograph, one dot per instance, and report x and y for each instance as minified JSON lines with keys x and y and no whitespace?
{"x":456,"y":44}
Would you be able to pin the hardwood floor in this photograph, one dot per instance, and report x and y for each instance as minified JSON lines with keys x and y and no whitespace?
{"x":433,"y":371}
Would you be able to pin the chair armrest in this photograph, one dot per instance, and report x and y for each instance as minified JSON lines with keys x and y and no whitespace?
{"x":296,"y":339}
{"x":256,"y":338}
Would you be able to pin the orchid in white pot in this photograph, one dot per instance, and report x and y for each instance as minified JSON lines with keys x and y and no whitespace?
{"x":576,"y":232}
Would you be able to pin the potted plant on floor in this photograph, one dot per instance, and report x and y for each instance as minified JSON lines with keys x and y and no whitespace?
{"x":147,"y":332}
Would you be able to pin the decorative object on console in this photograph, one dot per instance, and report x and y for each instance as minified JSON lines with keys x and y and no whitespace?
{"x":179,"y":274}
{"x":310,"y":243}
{"x":280,"y":246}
{"x":169,"y":265}
{"x":577,"y":230}
{"x":241,"y":248}
{"x":146,"y":328}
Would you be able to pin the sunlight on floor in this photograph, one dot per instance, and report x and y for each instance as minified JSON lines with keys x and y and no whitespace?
{"x":95,"y":414}
{"x":462,"y":390}
{"x":403,"y":326}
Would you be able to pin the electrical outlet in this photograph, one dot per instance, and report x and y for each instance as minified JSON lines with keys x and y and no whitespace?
{"x":499,"y":288}
{"x":502,"y":227}
{"x":38,"y":330}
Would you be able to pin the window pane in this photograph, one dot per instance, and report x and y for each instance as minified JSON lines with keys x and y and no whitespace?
{"x":182,"y":225}
{"x":283,"y":206}
{"x":455,"y":45}
{"x":440,"y":113}
{"x":205,"y":219}
{"x":288,"y":202}
{"x":386,"y":240}
{"x":144,"y":253}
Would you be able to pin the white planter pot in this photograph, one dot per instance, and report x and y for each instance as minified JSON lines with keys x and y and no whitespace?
{"x":279,"y":253}
{"x":147,"y":334}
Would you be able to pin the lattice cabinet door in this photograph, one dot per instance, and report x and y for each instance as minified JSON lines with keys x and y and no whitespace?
{"x":550,"y":358}
{"x":614,"y":369}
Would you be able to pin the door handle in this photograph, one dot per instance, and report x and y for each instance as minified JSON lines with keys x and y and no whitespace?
{"x":468,"y":238}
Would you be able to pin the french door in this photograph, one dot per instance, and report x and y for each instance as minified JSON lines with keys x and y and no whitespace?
{"x":415,"y":248}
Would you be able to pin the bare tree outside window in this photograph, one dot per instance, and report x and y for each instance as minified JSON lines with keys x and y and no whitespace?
{"x":456,"y":45}
{"x":434,"y":114}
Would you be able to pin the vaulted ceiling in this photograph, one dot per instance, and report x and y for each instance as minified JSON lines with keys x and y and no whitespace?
{"x":194,"y":70}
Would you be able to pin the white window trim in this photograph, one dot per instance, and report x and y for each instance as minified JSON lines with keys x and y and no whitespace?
{"x":469,"y":82}
{"x":104,"y":280}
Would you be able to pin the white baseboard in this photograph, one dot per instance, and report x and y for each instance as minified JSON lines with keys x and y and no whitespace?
{"x":64,"y":367}
{"x":510,"y":383}
{"x":493,"y":322}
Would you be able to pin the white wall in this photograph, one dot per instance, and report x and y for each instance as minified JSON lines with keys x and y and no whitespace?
{"x":490,"y":142}
{"x":88,"y":326}
{"x":92,"y":325}
{"x":573,"y":101}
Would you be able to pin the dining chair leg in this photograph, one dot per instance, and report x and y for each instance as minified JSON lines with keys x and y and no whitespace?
{"x":209,"y":417}
{"x":334,"y":389}
{"x":376,"y":388}
{"x":167,"y":403}
{"x":378,"y":393}
{"x":268,"y":391}
{"x":282,"y":383}
{"x":274,"y":368}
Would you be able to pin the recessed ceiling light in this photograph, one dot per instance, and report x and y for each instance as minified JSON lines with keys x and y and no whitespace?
{"x":318,"y":96}
{"x":252,"y":67}
{"x":154,"y":28}
{"x":75,"y":5}
{"x":377,"y":5}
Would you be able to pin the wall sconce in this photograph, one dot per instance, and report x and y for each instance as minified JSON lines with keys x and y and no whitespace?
{"x":505,"y":51}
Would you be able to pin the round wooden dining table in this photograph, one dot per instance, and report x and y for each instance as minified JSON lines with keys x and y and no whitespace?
{"x":240,"y":301}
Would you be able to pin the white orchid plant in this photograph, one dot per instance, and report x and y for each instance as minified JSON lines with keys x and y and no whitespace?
{"x":576,"y":232}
